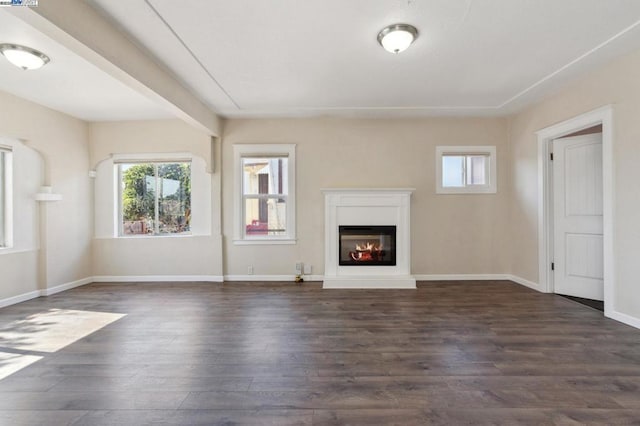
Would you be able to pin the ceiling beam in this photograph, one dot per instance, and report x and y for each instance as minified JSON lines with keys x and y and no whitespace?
{"x":80,"y":28}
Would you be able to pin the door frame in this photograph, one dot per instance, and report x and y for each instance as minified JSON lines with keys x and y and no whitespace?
{"x":601,"y":116}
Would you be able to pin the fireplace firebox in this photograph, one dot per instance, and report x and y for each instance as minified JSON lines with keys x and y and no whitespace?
{"x":367,"y":245}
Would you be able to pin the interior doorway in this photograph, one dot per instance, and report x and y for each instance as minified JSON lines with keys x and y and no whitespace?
{"x":578,"y":258}
{"x":572,"y":128}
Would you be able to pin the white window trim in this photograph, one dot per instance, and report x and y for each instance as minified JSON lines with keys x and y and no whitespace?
{"x":118,"y":159}
{"x":246,"y":150}
{"x":8,"y":198}
{"x":168,"y":157}
{"x":490,"y":151}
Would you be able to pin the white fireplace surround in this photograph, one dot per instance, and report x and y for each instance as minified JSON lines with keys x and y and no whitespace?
{"x":362,"y":207}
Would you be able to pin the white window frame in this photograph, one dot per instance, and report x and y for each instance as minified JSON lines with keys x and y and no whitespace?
{"x":159,"y":158}
{"x":491,"y":187}
{"x":6,"y":192}
{"x":241,"y":151}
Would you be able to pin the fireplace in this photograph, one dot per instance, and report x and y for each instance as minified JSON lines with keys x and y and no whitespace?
{"x":368,"y":238}
{"x":367,"y":245}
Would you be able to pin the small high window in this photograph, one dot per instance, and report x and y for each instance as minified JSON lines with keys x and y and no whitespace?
{"x":154,"y":198}
{"x":265,"y":209}
{"x":465,"y":169}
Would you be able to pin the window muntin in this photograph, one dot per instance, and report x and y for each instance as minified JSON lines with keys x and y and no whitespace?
{"x":465,"y":169}
{"x":265,"y":209}
{"x":155,"y":198}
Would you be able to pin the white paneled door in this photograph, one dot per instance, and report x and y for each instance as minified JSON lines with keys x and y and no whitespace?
{"x":578,"y":224}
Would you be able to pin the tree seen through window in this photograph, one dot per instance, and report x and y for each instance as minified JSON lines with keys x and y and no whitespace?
{"x":156,"y":198}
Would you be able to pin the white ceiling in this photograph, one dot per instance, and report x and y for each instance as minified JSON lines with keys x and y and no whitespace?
{"x":69,"y":83}
{"x":257,"y":58}
{"x":292,"y":57}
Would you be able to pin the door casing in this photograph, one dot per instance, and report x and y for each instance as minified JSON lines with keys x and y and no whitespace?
{"x":603,"y":116}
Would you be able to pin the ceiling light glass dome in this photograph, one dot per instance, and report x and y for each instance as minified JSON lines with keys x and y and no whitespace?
{"x":397,"y":37}
{"x":23,"y":57}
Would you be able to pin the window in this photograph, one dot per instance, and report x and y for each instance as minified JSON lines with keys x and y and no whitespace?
{"x":2,"y":197}
{"x":265,"y":209}
{"x":155,"y":198}
{"x":5,"y":201}
{"x":465,"y":169}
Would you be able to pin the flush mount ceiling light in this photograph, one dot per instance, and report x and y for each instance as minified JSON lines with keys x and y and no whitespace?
{"x":397,"y":37}
{"x":23,"y":57}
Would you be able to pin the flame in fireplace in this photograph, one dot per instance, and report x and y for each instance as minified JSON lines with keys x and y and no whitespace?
{"x":367,"y":252}
{"x":369,"y":247}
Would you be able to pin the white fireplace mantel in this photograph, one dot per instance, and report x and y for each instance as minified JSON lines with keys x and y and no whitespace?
{"x":368,"y":206}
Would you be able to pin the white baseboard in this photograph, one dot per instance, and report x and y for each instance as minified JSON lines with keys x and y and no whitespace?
{"x":462,"y":277}
{"x":19,"y":298}
{"x":524,"y":282}
{"x":45,"y":292}
{"x":624,"y":318}
{"x":67,"y":286}
{"x":259,"y":277}
{"x":431,"y":277}
{"x":479,"y":277}
{"x":155,"y":278}
{"x":252,"y":278}
{"x":313,"y":277}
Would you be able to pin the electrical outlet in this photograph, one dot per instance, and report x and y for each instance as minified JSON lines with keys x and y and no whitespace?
{"x":307,"y":269}
{"x":299,"y":266}
{"x":250,"y":270}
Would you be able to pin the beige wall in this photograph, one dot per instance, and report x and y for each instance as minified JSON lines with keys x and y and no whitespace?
{"x":147,"y":136}
{"x":451,"y":234}
{"x":616,"y":84}
{"x":27,"y":178}
{"x":198,"y":255}
{"x":19,"y":274}
{"x":65,"y":226}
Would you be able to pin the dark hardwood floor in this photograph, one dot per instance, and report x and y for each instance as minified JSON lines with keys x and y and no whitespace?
{"x":449,"y":353}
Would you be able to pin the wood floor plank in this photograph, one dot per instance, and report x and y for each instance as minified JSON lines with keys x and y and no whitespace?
{"x":198,"y":418}
{"x":448,"y":353}
{"x":41,"y":417}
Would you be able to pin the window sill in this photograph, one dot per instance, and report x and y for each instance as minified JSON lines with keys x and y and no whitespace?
{"x":466,"y":191}
{"x":144,"y":237}
{"x":265,"y":242}
{"x":11,"y":250}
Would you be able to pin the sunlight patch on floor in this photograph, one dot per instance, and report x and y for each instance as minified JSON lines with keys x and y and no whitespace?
{"x":10,"y":363}
{"x":54,"y":329}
